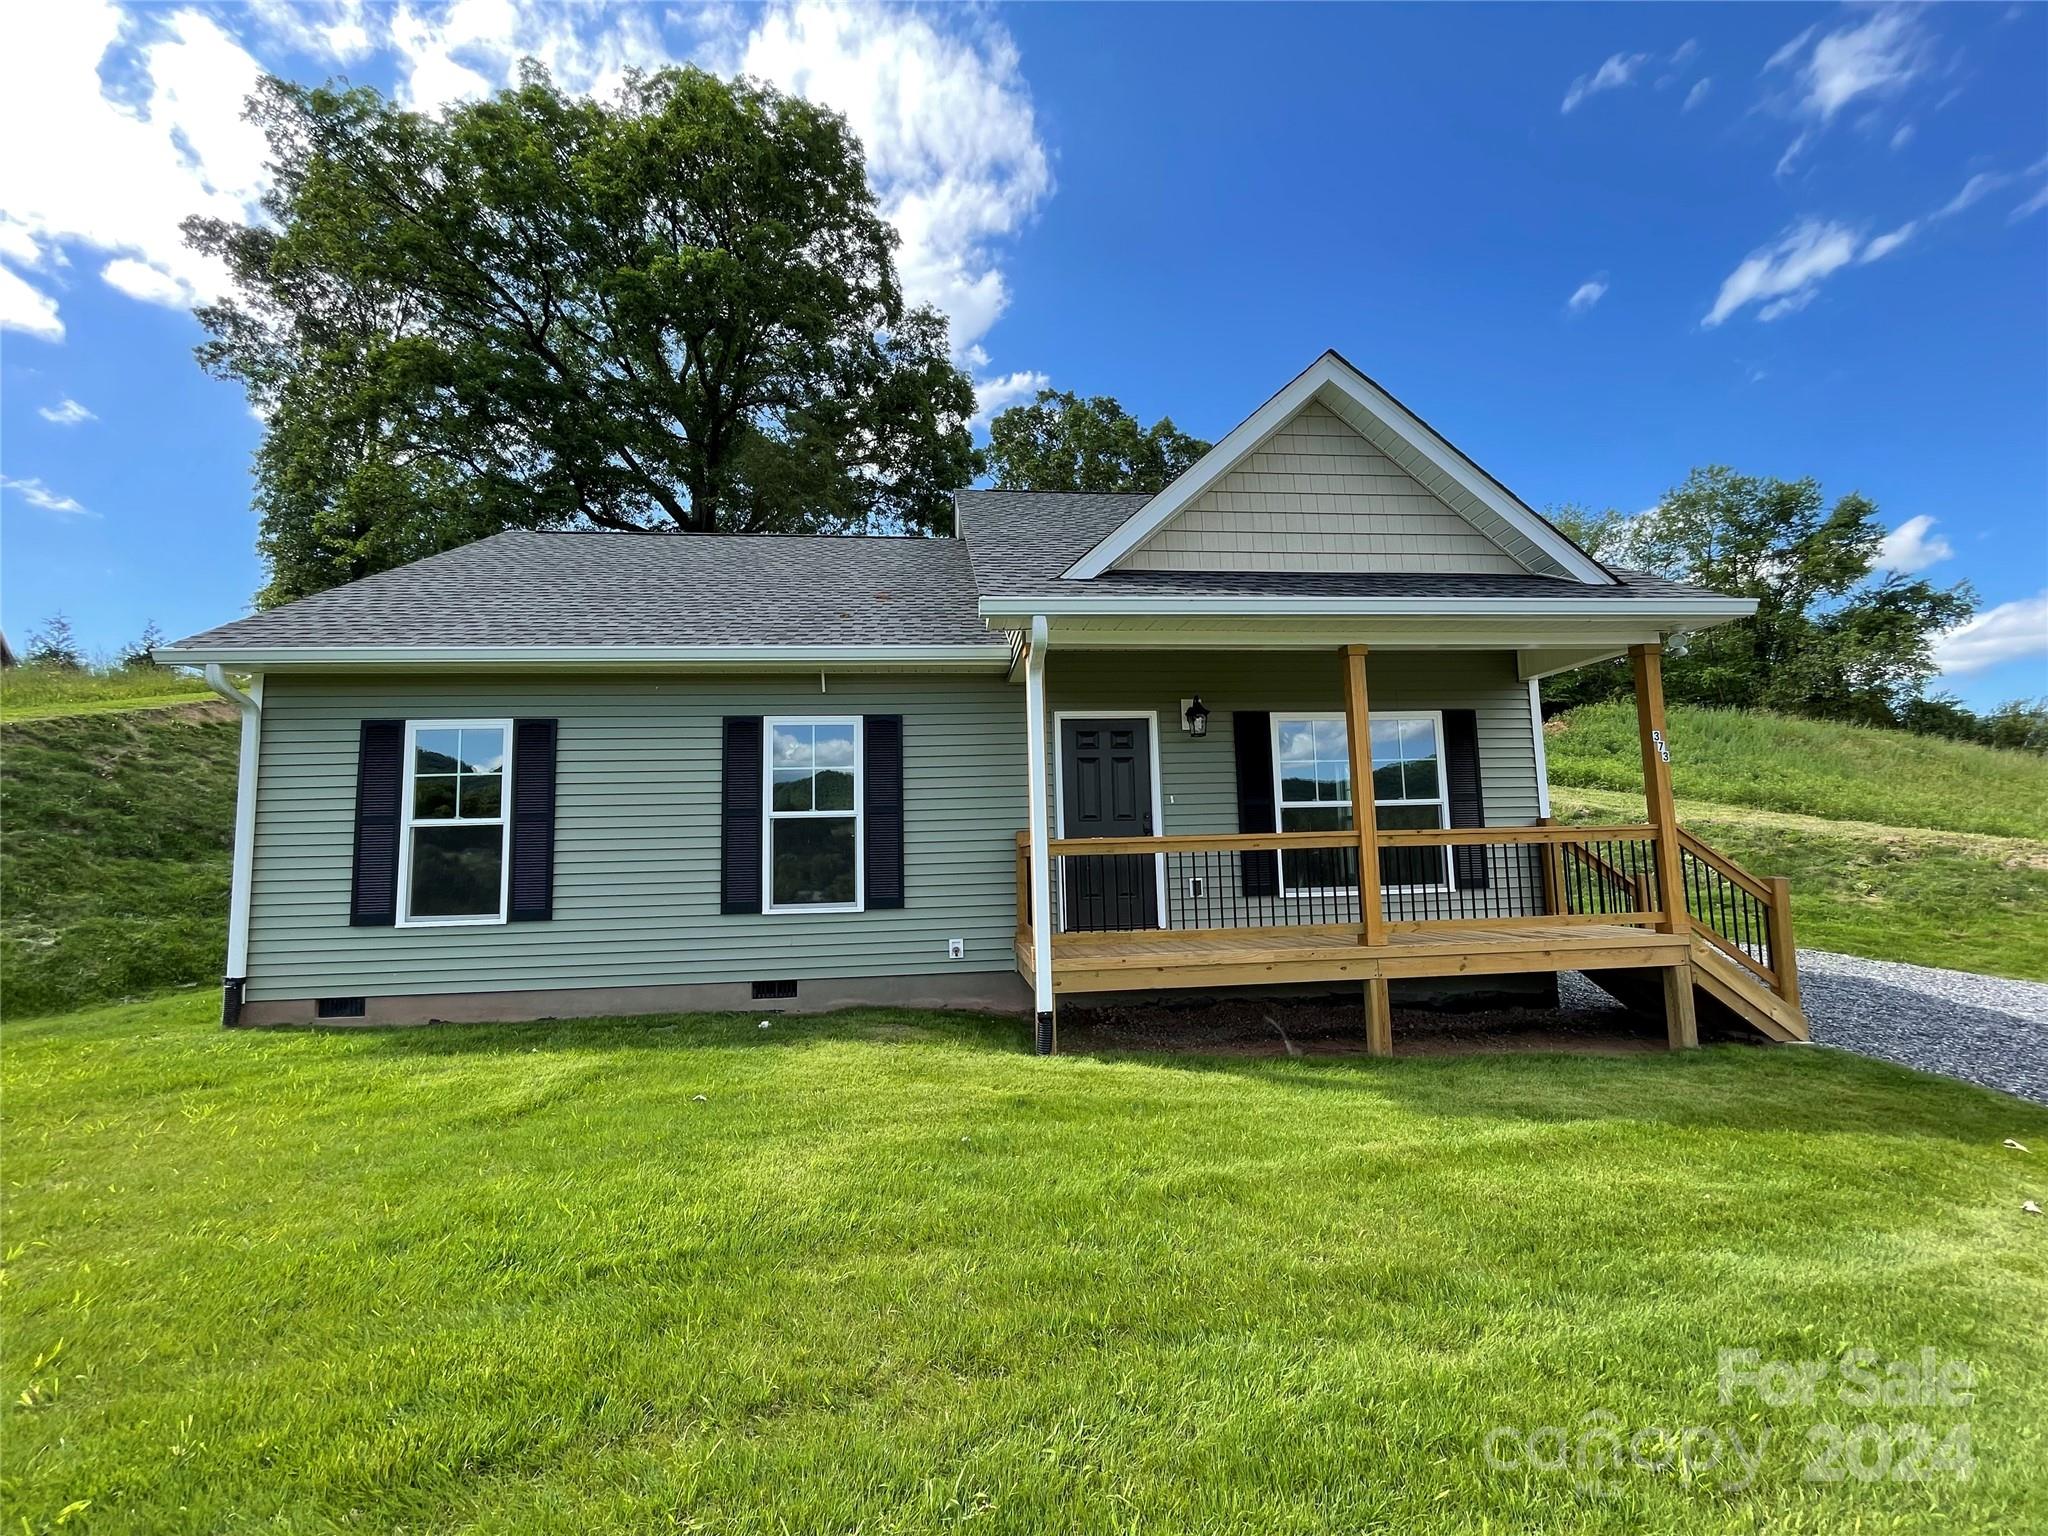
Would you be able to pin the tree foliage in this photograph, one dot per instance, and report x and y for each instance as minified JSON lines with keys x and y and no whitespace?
{"x":679,"y":309}
{"x":1061,"y":442}
{"x":52,"y":644}
{"x":1833,"y":637}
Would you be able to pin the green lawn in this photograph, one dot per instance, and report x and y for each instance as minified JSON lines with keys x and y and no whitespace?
{"x":886,"y":1272}
{"x":1952,"y":899}
{"x":1811,"y":767}
{"x":41,"y":693}
{"x":114,"y":839}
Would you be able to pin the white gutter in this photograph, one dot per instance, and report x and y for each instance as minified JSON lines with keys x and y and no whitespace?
{"x":1041,"y":835}
{"x":1109,"y":605}
{"x":251,"y":706}
{"x":803,"y":658}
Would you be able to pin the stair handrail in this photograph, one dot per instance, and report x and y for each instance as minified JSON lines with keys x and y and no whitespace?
{"x":1778,"y":969}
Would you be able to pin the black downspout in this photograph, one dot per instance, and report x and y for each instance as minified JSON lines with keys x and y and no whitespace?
{"x":231,"y":1000}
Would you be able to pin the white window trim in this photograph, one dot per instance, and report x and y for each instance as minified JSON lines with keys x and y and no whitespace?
{"x":1060,"y":717}
{"x":1379,"y":716}
{"x":407,"y":822}
{"x":769,"y":815}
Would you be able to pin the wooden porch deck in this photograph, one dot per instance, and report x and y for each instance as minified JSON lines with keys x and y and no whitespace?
{"x":1164,"y":958}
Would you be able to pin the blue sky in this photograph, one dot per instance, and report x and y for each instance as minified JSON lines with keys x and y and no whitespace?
{"x":1596,"y":246}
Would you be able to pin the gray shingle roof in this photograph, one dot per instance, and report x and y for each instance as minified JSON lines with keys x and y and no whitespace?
{"x":622,"y":589}
{"x":556,"y":590}
{"x":1020,"y":542}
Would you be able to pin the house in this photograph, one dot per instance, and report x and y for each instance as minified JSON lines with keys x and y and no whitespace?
{"x":1090,"y":743}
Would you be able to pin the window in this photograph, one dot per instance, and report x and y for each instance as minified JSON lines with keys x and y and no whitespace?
{"x":812,"y":849}
{"x":1312,"y":770}
{"x":452,"y":858}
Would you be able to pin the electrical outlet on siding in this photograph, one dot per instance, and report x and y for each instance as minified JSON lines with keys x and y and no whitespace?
{"x":956,"y":949}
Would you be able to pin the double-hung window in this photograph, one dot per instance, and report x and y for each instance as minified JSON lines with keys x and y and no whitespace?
{"x":812,"y":852}
{"x":1312,"y":792}
{"x":452,"y":857}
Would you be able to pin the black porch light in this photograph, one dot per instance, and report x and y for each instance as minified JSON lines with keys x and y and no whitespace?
{"x":1198,"y":717}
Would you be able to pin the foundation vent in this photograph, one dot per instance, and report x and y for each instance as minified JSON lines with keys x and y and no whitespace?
{"x":766,"y":991}
{"x":338,"y":1007}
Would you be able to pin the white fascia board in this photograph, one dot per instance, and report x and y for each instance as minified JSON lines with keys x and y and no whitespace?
{"x":1673,"y":612}
{"x":974,"y":658}
{"x":1332,"y":372}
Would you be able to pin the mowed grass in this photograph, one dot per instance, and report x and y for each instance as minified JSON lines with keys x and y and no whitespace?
{"x":41,"y":693}
{"x":885,"y":1272}
{"x":1812,"y":768}
{"x":1957,"y":900}
{"x":115,"y":832}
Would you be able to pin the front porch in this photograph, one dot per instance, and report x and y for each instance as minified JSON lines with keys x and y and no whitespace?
{"x":1654,"y":916}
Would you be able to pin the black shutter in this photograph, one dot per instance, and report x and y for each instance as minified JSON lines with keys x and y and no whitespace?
{"x":533,"y":821}
{"x":1252,"y":733}
{"x":881,"y":774}
{"x":739,"y":885}
{"x":380,"y":779}
{"x":1467,"y":804}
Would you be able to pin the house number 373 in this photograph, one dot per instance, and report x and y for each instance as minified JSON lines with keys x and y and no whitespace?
{"x":1663,"y":747}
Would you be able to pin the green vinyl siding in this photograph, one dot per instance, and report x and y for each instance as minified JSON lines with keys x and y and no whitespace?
{"x":1198,"y":778}
{"x":637,"y":836}
{"x":637,"y":824}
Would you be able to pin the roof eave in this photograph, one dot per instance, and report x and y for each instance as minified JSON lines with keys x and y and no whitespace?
{"x":1681,"y":612}
{"x":983,"y":656}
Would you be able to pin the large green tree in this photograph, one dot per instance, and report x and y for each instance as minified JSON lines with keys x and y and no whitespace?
{"x":1061,"y":442}
{"x":677,"y":309}
{"x":1834,"y":635}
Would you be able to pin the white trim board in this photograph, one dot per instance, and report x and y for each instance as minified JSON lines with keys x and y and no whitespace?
{"x":986,"y":657}
{"x":1330,"y":375}
{"x":1059,"y":791}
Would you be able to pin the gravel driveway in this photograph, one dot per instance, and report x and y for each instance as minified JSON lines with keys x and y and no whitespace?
{"x":1982,"y":1029}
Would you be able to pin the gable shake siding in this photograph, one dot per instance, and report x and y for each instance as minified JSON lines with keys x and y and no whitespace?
{"x":1317,"y":496}
{"x":637,"y":825}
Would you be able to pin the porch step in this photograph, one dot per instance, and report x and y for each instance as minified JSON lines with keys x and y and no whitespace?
{"x":1723,"y":994}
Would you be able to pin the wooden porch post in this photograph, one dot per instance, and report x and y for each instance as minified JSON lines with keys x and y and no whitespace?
{"x":1647,"y":662}
{"x":1680,"y":1024}
{"x":1379,"y":1019}
{"x":1358,"y":731}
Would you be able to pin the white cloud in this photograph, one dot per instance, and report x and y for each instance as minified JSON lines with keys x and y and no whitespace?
{"x":1587,"y":294}
{"x":69,"y":414}
{"x":26,"y":308}
{"x":937,"y":98}
{"x":1788,"y":160}
{"x":1974,"y":190}
{"x":1789,"y":51}
{"x":1785,"y":276}
{"x":119,"y":160}
{"x":37,"y":494}
{"x":1684,"y":52}
{"x":1902,"y":136}
{"x":1913,"y":546}
{"x":951,"y":137}
{"x":152,"y":285}
{"x":1883,"y":245}
{"x":1698,"y":93}
{"x":1876,"y":56}
{"x":2032,"y":205}
{"x":1617,"y":71}
{"x":993,"y":395}
{"x":2010,"y":632}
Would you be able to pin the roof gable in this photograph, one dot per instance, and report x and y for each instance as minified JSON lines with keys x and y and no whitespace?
{"x":1391,"y":433}
{"x":1315,"y":495}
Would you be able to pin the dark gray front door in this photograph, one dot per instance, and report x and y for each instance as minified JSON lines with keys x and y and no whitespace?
{"x":1106,"y":791}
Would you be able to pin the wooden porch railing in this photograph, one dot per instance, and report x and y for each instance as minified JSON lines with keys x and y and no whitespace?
{"x":1483,"y":876}
{"x":1491,"y":876}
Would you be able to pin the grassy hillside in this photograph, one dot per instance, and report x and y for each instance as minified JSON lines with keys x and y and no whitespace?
{"x":1953,"y":899}
{"x":1811,"y":768}
{"x":41,"y":693}
{"x":886,"y":1272}
{"x":115,"y":832}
